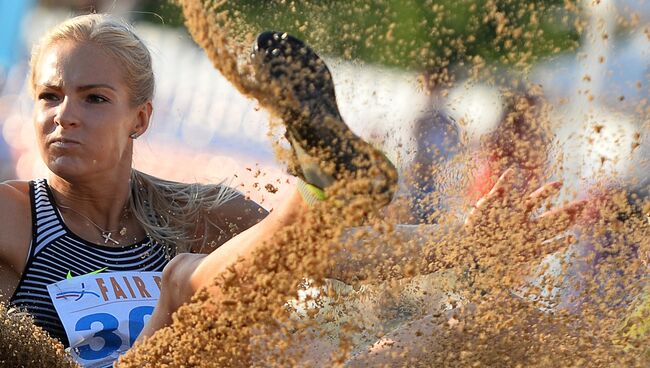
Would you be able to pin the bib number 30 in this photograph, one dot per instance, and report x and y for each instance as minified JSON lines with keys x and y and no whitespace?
{"x":111,"y":341}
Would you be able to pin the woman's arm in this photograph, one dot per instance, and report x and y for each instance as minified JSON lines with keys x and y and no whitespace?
{"x":15,"y":235}
{"x":187,"y":273}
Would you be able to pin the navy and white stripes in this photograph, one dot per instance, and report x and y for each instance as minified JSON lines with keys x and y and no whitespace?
{"x":55,"y":251}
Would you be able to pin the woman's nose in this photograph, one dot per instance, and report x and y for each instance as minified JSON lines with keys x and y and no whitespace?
{"x":66,"y":114}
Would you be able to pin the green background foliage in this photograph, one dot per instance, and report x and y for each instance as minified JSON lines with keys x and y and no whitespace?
{"x":417,"y":34}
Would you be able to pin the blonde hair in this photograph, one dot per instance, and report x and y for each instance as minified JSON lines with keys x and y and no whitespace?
{"x":117,"y":38}
{"x":176,"y":213}
{"x":171,"y":213}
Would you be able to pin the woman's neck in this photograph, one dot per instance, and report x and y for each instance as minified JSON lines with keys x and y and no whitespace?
{"x":102,"y":200}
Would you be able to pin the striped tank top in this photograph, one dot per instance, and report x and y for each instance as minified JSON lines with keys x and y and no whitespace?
{"x":56,"y":252}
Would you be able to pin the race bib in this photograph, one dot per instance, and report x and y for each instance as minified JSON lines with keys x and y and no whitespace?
{"x":103,"y":314}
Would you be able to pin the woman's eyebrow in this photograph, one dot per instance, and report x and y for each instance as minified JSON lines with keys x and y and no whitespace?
{"x":80,"y":88}
{"x":92,"y":86}
{"x":50,"y":85}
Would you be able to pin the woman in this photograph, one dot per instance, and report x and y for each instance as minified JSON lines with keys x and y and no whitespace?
{"x":96,"y":230}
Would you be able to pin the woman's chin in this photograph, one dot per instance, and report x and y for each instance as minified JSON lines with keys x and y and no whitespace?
{"x":72,"y":167}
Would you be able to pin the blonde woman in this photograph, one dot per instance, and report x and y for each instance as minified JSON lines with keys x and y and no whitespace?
{"x":87,"y":251}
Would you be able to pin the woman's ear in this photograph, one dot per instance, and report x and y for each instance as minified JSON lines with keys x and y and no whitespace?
{"x":144,"y":116}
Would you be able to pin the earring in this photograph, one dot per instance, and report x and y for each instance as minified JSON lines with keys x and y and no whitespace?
{"x":134,"y":135}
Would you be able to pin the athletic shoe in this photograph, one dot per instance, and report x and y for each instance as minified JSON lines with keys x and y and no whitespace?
{"x":302,"y":94}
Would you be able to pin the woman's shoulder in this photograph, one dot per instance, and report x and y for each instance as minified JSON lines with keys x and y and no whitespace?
{"x":15,"y":206}
{"x":15,"y":222}
{"x":14,"y":190}
{"x":14,"y":203}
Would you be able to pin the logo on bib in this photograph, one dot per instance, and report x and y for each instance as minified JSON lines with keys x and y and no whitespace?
{"x":76,"y":294}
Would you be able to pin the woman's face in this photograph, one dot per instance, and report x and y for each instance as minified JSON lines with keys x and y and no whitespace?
{"x":83,"y":115}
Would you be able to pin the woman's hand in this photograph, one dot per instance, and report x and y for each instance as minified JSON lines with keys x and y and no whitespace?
{"x":507,"y":215}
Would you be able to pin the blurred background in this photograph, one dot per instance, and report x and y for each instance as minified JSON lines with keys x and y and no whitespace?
{"x":419,"y":78}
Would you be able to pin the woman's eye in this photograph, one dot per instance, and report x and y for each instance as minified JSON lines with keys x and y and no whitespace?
{"x":96,"y":99}
{"x":48,"y":96}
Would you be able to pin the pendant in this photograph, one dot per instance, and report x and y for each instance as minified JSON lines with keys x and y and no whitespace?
{"x":107,"y":237}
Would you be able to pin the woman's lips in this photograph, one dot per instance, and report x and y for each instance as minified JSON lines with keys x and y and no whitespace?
{"x":64,"y":143}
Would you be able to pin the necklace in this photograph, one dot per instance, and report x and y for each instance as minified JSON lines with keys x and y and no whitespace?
{"x":106,"y":234}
